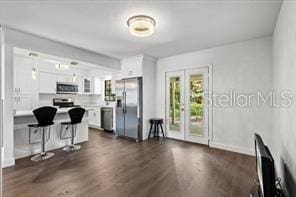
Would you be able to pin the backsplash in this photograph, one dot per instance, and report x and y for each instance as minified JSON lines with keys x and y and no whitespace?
{"x":47,"y":99}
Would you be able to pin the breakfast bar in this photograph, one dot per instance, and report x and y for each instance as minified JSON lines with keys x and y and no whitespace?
{"x":22,"y":148}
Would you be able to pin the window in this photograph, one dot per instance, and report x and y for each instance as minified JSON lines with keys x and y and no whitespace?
{"x":108,"y":91}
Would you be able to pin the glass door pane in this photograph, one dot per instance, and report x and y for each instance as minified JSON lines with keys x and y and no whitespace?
{"x":175,"y":104}
{"x":196,"y":119}
{"x":196,"y":112}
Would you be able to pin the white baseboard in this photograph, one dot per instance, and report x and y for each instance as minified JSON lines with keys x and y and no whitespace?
{"x":237,"y":149}
{"x":8,"y":162}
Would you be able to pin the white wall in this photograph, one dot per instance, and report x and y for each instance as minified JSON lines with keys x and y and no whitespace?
{"x":1,"y":99}
{"x":244,"y":67}
{"x":149,"y":84}
{"x":8,"y":156}
{"x":284,"y":59}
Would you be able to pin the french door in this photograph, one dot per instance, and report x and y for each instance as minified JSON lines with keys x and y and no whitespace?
{"x":187,"y":116}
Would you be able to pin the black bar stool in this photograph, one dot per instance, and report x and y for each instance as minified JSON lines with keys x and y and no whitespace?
{"x":44,"y":116}
{"x":76,"y":115}
{"x":155,"y":124}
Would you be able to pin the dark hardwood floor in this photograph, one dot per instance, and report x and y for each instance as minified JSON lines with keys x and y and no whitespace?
{"x":106,"y":166}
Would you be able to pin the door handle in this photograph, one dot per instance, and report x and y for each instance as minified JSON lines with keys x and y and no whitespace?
{"x":124,"y":101}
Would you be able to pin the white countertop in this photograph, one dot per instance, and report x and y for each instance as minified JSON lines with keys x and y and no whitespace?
{"x":60,"y":110}
{"x":30,"y":112}
{"x":97,"y":105}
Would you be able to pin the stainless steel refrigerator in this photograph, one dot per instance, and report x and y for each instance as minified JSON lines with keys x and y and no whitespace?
{"x":129,"y":108}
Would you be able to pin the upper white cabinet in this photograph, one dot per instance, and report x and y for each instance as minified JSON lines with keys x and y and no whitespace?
{"x":97,"y":86}
{"x":47,"y":83}
{"x":131,"y":67}
{"x":23,"y":81}
{"x":79,"y":81}
{"x":25,"y":85}
{"x":64,"y":78}
{"x":86,"y":85}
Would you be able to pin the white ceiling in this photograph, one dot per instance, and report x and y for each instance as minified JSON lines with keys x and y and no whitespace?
{"x":182,"y":26}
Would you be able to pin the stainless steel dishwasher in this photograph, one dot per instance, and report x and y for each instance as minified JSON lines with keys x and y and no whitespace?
{"x":107,"y":118}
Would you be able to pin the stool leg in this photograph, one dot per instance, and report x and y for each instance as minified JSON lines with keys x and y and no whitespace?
{"x":154,"y":132}
{"x":157,"y":130}
{"x":43,"y":142}
{"x":43,"y":155}
{"x":72,"y":131}
{"x":72,"y":146}
{"x":162,"y":131}
{"x":150,"y":131}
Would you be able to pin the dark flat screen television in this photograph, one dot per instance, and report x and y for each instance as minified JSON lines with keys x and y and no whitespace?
{"x":265,"y":169}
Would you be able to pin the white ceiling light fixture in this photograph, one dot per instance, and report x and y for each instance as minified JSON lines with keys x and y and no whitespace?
{"x":34,"y":72}
{"x":62,"y":66}
{"x":74,"y":78}
{"x":141,"y":25}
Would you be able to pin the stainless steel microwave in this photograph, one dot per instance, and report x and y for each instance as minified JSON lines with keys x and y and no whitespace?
{"x":67,"y":88}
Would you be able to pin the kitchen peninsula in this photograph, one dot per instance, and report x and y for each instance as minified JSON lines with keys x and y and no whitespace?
{"x":22,"y":148}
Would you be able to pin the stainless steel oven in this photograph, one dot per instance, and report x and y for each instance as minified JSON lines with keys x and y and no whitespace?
{"x":67,"y":88}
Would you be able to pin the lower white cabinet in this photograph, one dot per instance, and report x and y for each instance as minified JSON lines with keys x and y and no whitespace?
{"x":23,"y":102}
{"x":94,"y":117}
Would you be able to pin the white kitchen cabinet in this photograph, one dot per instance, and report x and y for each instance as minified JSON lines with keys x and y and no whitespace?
{"x":47,"y":83}
{"x":79,"y":81}
{"x":87,"y":85}
{"x":25,"y":87}
{"x":113,"y":84}
{"x":64,"y":78}
{"x":131,"y":67}
{"x":23,"y":102}
{"x":23,"y":82}
{"x":94,"y":117}
{"x":97,"y":86}
{"x":91,"y":117}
